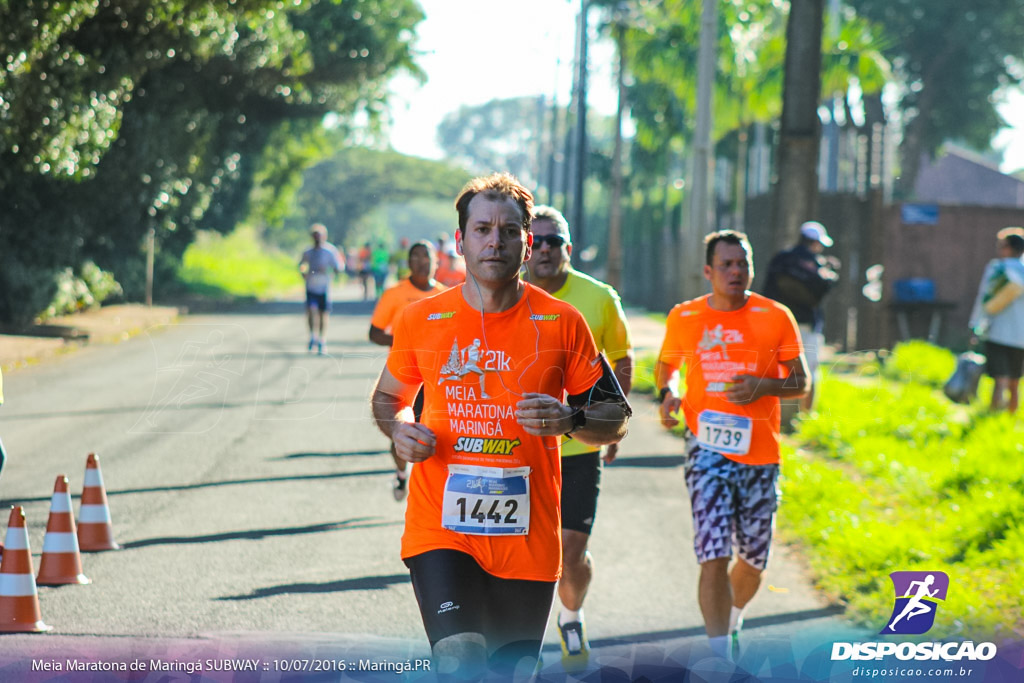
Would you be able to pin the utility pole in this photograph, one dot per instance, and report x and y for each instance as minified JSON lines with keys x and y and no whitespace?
{"x":615,"y":211}
{"x":150,"y":262}
{"x":578,"y":221}
{"x":691,"y":240}
{"x":553,"y":141}
{"x":832,"y":130}
{"x":567,"y":164}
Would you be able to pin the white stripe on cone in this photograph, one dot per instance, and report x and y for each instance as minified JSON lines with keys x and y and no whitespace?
{"x":61,"y":502}
{"x":60,"y":542}
{"x":94,"y":514}
{"x":16,"y":539}
{"x":93,"y":478}
{"x":17,"y":585}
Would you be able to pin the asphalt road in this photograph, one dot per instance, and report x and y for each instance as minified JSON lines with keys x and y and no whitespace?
{"x":251,"y":495}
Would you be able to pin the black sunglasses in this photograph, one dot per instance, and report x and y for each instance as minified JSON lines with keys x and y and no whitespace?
{"x":553,"y":241}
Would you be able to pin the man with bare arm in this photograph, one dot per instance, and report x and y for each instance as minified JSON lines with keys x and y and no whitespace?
{"x":482,"y":520}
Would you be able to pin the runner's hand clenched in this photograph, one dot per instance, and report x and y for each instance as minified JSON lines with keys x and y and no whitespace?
{"x":543,"y":415}
{"x":413,"y":442}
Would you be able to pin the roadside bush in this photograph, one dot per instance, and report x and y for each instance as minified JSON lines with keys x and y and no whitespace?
{"x":892,"y":476}
{"x":74,"y":293}
{"x":920,"y":362}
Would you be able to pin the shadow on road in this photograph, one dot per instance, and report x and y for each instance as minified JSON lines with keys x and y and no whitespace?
{"x":650,"y":461}
{"x":257,"y":534}
{"x":366,"y":583}
{"x":748,"y":624}
{"x":339,"y":454}
{"x":296,"y":307}
{"x":124,"y":410}
{"x":214,"y":484}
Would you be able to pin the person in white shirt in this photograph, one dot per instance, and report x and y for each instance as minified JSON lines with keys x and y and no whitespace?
{"x":998,"y":318}
{"x":319,"y":266}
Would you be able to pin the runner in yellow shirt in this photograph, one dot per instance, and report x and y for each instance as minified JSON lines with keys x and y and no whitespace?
{"x":581,"y":464}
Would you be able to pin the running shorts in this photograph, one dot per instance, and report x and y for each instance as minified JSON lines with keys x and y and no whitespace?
{"x":320,"y":301}
{"x":1003,"y":361}
{"x":733,"y":506}
{"x":581,"y":483}
{"x":456,"y":595}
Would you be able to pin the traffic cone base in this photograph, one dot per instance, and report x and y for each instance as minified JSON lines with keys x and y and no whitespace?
{"x":19,"y":601}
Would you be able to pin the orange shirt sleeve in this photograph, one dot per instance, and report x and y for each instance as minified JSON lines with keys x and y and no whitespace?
{"x":402,"y":361}
{"x":671,"y":353}
{"x":384,"y":311}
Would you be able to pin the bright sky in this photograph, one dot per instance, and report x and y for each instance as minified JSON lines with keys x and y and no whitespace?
{"x":461,"y":43}
{"x":473,"y":52}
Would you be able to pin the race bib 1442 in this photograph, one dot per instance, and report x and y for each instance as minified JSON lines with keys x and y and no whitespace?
{"x":488,"y":501}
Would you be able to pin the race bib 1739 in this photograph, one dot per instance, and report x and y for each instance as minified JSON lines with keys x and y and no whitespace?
{"x":724,"y":432}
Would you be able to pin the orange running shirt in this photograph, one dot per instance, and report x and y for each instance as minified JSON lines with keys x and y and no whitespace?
{"x":394,"y":300}
{"x":474,"y":368}
{"x":717,"y":345}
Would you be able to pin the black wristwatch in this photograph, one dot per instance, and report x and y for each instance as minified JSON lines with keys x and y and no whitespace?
{"x":665,"y":391}
{"x":579,"y":420}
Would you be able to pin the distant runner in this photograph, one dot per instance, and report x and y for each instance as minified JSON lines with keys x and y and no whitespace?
{"x":482,"y":523}
{"x":419,"y":285}
{"x":742,"y":352}
{"x":581,"y":464}
{"x":319,"y":266}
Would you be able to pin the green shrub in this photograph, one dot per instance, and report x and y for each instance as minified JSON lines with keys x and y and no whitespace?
{"x":91,"y":287}
{"x":238,"y":264}
{"x":919,"y":362}
{"x":891,"y":476}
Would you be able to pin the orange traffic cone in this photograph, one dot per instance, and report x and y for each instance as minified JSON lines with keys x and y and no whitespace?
{"x":61,"y":563}
{"x":95,"y":532}
{"x":19,"y":602}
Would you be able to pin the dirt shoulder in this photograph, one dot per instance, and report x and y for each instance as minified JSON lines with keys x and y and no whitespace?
{"x":106,"y":325}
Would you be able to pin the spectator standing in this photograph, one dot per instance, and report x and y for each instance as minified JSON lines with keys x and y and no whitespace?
{"x":998,"y":318}
{"x":799,"y":278}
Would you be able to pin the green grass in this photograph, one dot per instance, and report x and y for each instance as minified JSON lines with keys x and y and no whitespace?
{"x":892,"y":476}
{"x":920,"y":362}
{"x":238,"y":265}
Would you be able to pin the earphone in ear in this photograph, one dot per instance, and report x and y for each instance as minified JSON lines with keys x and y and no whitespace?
{"x":529,"y":239}
{"x":458,"y":243}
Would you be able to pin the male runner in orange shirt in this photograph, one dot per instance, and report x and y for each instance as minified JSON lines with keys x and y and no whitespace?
{"x":495,"y":355}
{"x":742,"y":353}
{"x":419,"y":285}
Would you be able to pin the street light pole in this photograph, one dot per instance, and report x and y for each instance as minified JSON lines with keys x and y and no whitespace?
{"x":692,"y":239}
{"x":577,"y":221}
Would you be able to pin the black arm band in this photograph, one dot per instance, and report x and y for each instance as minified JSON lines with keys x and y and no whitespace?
{"x":606,"y":390}
{"x":665,"y":391}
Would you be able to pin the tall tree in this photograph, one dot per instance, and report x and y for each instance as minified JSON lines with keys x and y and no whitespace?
{"x":950,"y":57}
{"x":796,"y":192}
{"x":121,"y":117}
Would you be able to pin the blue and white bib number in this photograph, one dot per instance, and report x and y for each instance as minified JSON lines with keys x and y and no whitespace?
{"x":724,"y":433}
{"x":487,"y":501}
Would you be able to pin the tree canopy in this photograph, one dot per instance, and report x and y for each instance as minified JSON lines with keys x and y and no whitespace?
{"x":950,"y":59}
{"x":117,"y":117}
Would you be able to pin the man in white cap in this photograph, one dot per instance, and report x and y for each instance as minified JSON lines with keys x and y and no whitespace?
{"x":799,"y":278}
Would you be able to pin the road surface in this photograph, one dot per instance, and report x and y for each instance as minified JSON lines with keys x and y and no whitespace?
{"x":251,"y":495}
